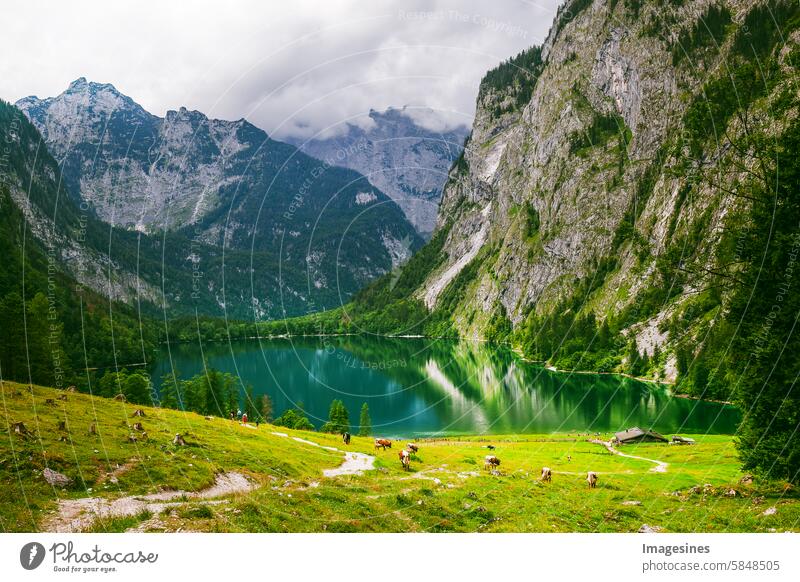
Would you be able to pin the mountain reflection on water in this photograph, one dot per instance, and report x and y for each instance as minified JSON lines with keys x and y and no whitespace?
{"x":425,"y":387}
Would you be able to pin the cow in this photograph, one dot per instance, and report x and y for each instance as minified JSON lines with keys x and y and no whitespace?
{"x":547,"y":475}
{"x":591,"y":479}
{"x":405,"y":459}
{"x":490,"y":447}
{"x":490,"y":462}
{"x":346,"y":438}
{"x":412,"y":448}
{"x":383,"y":443}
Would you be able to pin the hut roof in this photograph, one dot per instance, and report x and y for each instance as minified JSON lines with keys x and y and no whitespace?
{"x":638,"y":433}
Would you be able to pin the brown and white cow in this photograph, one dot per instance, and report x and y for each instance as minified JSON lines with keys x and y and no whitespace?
{"x":412,"y":448}
{"x":591,"y":479}
{"x":490,"y":462}
{"x":383,"y":443}
{"x":547,"y":475}
{"x":405,"y":459}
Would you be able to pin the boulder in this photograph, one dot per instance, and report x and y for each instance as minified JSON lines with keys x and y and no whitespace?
{"x":55,"y":478}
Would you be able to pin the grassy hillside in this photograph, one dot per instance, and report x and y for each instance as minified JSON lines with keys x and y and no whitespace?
{"x":445,"y":490}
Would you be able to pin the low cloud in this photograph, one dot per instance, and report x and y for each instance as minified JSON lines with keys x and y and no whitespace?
{"x":298,"y":70}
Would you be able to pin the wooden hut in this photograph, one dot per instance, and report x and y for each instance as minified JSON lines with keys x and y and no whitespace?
{"x":638,"y":435}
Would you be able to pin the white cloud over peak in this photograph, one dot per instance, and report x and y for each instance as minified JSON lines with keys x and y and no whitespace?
{"x":296,"y":68}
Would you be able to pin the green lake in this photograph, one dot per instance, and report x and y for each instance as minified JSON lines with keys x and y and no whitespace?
{"x":428,"y":387}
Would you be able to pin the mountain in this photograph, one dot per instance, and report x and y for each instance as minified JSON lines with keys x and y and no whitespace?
{"x":69,"y":288}
{"x":628,"y":202}
{"x":604,"y":169}
{"x":399,"y":157}
{"x":258,"y":228}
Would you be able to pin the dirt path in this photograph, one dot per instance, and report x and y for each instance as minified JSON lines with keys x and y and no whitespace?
{"x":661,"y":466}
{"x":354,"y":463}
{"x":74,"y":515}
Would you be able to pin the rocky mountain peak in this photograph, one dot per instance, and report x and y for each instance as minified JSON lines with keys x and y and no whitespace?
{"x":400,"y":157}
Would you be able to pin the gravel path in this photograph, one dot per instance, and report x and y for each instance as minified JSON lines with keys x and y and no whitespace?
{"x":74,"y":515}
{"x":661,"y":466}
{"x":354,"y":463}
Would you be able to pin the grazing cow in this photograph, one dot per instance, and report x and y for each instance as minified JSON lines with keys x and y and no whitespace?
{"x":569,"y":458}
{"x":490,"y":447}
{"x":346,"y":438}
{"x":383,"y":443}
{"x":490,"y":462}
{"x":412,"y":448}
{"x":405,"y":459}
{"x":547,"y":475}
{"x":139,"y":412}
{"x":138,"y":426}
{"x":591,"y":479}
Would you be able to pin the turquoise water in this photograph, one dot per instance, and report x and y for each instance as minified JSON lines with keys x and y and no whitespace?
{"x":425,"y":387}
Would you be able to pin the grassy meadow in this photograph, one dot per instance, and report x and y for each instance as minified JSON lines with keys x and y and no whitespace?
{"x":446,"y":489}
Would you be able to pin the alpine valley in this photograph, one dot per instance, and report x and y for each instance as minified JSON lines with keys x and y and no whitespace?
{"x":614,"y":240}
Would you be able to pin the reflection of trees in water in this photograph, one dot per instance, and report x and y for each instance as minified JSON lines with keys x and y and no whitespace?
{"x":456,"y":386}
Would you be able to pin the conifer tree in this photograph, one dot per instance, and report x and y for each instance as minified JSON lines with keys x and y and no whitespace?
{"x":364,"y":422}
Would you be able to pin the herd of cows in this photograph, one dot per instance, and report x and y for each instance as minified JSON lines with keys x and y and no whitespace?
{"x":490,"y":462}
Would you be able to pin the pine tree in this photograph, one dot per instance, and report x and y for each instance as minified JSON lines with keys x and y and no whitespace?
{"x":633,"y":360}
{"x":364,"y":422}
{"x":170,"y":396}
{"x":265,"y":407}
{"x":343,"y":418}
{"x":338,"y":419}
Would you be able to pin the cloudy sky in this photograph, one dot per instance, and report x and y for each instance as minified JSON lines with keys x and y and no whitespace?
{"x":292,"y":68}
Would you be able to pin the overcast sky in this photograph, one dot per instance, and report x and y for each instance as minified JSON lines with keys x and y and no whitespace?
{"x":291,"y":67}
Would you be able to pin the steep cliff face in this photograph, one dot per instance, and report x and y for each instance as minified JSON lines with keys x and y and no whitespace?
{"x":298,"y":235}
{"x":30,"y":178}
{"x":603,"y":169}
{"x":399,"y":157}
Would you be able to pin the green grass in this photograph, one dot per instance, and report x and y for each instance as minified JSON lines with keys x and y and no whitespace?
{"x":292,"y":495}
